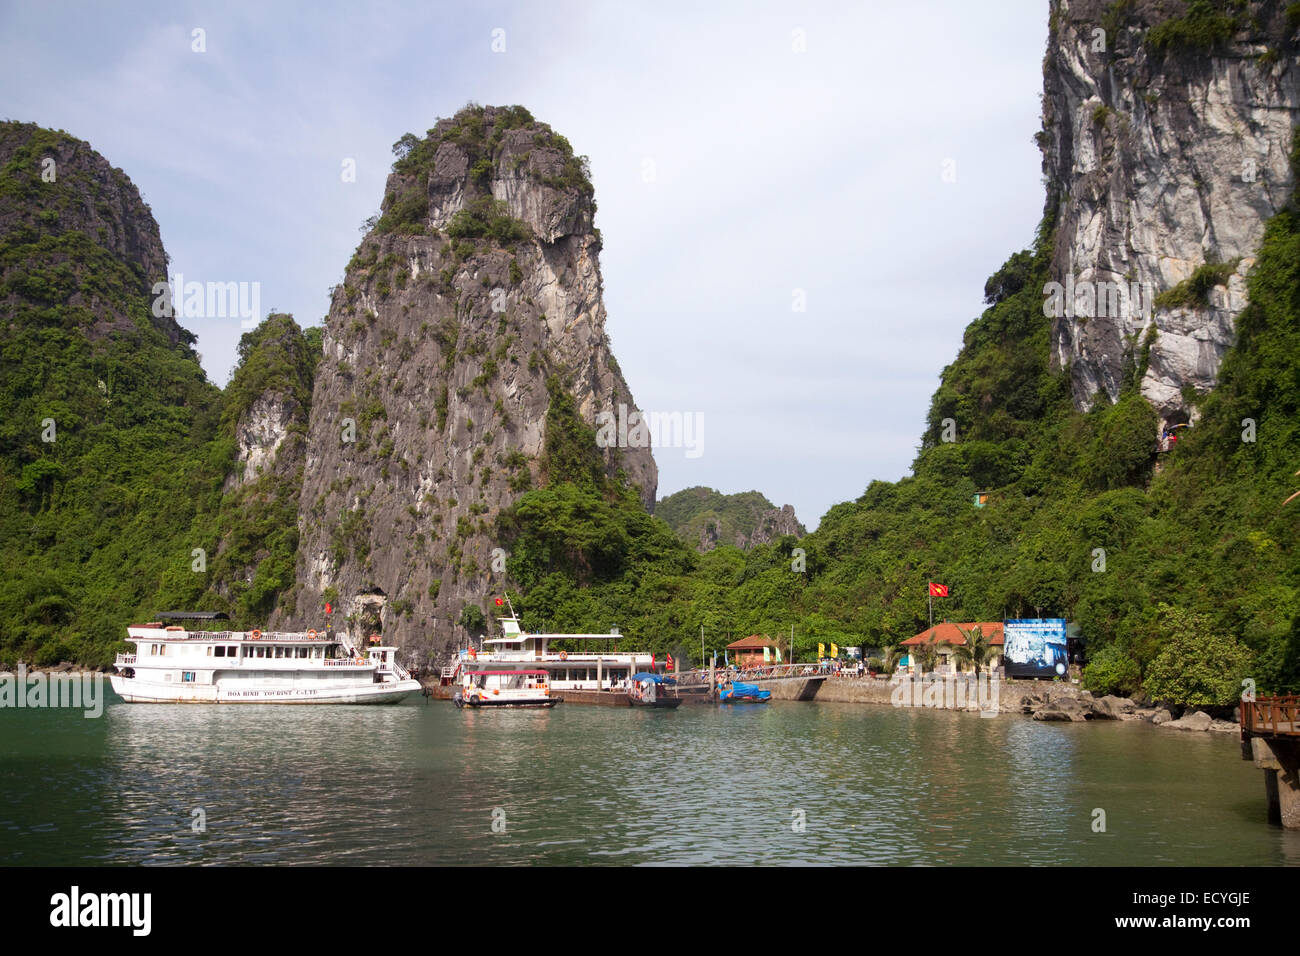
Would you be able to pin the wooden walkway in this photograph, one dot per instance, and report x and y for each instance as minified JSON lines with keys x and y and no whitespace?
{"x":1271,"y":717}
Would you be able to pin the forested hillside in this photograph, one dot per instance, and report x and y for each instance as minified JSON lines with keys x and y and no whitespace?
{"x":114,"y":447}
{"x":1189,"y":553}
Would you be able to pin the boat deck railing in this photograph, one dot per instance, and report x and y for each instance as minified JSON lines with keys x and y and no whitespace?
{"x":304,"y":636}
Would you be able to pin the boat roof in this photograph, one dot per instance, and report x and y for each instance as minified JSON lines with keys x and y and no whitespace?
{"x":557,"y":637}
{"x":489,"y":673}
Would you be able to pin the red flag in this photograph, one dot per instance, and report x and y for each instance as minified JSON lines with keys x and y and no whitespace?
{"x":328,"y":608}
{"x":500,"y":602}
{"x":938,"y":590}
{"x":652,"y":662}
{"x":670,"y":662}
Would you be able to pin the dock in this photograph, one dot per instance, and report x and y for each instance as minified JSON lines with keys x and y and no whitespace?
{"x":1270,"y":736}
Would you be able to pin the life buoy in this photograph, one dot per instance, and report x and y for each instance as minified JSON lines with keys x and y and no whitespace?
{"x":256,"y":635}
{"x":311,"y":635}
{"x":564,"y":655}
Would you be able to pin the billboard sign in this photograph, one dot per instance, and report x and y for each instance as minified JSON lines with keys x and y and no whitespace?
{"x":1035,"y":648}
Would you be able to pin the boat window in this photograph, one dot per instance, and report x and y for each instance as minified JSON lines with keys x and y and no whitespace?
{"x":216,"y":652}
{"x":210,"y":651}
{"x":302,"y":652}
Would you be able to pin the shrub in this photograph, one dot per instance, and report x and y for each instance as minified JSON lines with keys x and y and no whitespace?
{"x":1111,"y":671}
{"x":1198,"y":666}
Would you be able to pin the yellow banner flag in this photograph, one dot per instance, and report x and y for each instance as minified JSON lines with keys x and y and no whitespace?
{"x":821,"y":651}
{"x":835,"y":651}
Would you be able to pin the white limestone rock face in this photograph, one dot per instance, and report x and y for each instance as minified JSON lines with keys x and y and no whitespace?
{"x":260,"y":433}
{"x":1157,"y":163}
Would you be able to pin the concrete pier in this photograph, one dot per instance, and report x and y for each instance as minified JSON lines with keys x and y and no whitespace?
{"x":1280,"y":761}
{"x":1270,"y":736}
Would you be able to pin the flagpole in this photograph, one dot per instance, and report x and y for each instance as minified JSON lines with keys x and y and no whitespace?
{"x":930,"y":597}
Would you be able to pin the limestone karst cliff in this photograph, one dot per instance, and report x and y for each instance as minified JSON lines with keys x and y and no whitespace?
{"x":471,"y":307}
{"x":1166,"y":143}
{"x":705,"y":518}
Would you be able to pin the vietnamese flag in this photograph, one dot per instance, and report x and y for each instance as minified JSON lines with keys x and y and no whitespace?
{"x":938,"y":590}
{"x":670,"y":663}
{"x":328,"y":609}
{"x":500,"y":602}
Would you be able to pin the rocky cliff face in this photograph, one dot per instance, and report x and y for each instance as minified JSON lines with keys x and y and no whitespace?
{"x":1166,"y":145}
{"x":72,"y":215}
{"x":475,"y":296}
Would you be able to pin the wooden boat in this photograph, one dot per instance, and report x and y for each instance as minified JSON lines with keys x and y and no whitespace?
{"x":738,"y":693}
{"x":652,"y":690}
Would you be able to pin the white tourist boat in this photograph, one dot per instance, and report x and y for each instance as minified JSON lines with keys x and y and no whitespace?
{"x":504,"y":688}
{"x":601,"y":668}
{"x":173,"y":665}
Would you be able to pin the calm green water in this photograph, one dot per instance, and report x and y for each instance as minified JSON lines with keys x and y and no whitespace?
{"x":418,"y":784}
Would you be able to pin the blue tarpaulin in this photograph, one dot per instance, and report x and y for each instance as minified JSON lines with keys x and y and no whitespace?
{"x":657,"y":678}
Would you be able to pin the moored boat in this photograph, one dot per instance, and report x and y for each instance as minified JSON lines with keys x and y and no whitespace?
{"x":173,"y":665}
{"x":738,"y":693}
{"x":653,"y":690}
{"x":602,"y":668}
{"x":504,"y":688}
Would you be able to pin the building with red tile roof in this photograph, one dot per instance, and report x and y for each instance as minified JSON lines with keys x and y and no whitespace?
{"x":948,"y":635}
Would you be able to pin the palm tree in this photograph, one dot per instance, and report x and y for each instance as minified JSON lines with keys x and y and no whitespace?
{"x":928,"y":655}
{"x":976,"y":650}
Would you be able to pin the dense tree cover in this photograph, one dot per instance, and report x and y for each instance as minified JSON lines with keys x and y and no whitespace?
{"x":99,"y":527}
{"x":1173,"y":568}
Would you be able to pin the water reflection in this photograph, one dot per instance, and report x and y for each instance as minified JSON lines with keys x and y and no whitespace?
{"x":782,"y":783}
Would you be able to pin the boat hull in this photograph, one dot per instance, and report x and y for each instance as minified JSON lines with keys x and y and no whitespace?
{"x":535,"y":703}
{"x":136,"y":691}
{"x":664,"y":703}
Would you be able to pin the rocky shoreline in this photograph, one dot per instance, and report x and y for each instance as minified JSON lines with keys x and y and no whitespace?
{"x":1041,"y":700}
{"x":1069,"y":702}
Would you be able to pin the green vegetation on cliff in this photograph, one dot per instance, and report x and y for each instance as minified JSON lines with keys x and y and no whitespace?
{"x":1163,"y":568}
{"x":701,"y":515}
{"x":114,"y":447}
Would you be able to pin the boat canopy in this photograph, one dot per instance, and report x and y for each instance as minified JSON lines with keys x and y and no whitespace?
{"x":656,"y":678}
{"x":492,"y":673}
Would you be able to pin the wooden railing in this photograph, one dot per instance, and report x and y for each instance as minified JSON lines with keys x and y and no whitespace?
{"x":697,"y":678}
{"x":1270,"y":716}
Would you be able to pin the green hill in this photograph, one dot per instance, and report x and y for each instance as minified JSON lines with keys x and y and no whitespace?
{"x":114,"y":446}
{"x":705,"y":518}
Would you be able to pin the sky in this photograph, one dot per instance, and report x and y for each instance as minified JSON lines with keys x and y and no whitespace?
{"x":799,"y":202}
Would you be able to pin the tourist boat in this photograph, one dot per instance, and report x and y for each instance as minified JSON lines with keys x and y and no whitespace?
{"x":604,"y":667}
{"x":738,"y":693}
{"x":504,"y":688}
{"x":173,"y":665}
{"x":653,"y":690}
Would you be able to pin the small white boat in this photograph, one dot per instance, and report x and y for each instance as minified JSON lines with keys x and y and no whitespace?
{"x":173,"y":665}
{"x":504,"y":688}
